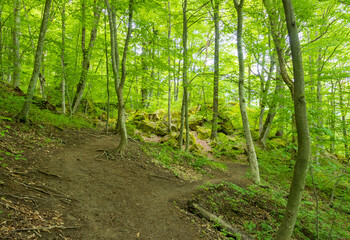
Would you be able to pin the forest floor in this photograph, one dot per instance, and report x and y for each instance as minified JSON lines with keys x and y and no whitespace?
{"x":72,"y":185}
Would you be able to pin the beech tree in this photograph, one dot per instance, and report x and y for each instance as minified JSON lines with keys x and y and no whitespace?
{"x":120,"y":82}
{"x":87,"y":51}
{"x":214,"y":130}
{"x":304,"y":146}
{"x":23,"y":114}
{"x":242,"y":102}
{"x":16,"y":48}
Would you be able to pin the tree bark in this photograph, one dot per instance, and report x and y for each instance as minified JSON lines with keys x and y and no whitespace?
{"x":86,"y":54}
{"x":304,"y":147}
{"x":169,"y":71}
{"x":184,"y":75}
{"x":343,"y":121}
{"x":107,"y":79}
{"x":271,"y":114}
{"x":278,"y":42}
{"x":242,"y":102}
{"x":121,"y":105}
{"x":16,"y":75}
{"x":63,"y":76}
{"x":1,"y":47}
{"x":23,"y":114}
{"x":214,"y":131}
{"x":42,"y":79}
{"x":119,"y":83}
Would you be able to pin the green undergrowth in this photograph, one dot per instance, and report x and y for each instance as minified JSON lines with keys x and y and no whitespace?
{"x":11,"y":104}
{"x":180,"y":162}
{"x":260,"y":210}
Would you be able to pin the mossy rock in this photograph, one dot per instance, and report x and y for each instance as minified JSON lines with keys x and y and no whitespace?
{"x":173,"y":128}
{"x":140,"y":117}
{"x":168,"y":137}
{"x":227,"y":127}
{"x":203,"y":133}
{"x":175,"y":115}
{"x":161,"y":130}
{"x":194,"y":122}
{"x":157,"y":115}
{"x":194,"y":110}
{"x":192,"y":137}
{"x":147,"y":126}
{"x":196,"y":148}
{"x":173,"y":143}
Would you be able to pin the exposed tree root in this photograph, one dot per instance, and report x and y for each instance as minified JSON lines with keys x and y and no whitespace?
{"x":48,"y":174}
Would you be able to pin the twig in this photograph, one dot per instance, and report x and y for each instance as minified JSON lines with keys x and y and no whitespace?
{"x":48,"y":228}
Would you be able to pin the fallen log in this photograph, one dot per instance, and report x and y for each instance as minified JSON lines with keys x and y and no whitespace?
{"x":222,"y":224}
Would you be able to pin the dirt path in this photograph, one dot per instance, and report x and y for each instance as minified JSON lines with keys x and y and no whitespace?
{"x":123,"y":197}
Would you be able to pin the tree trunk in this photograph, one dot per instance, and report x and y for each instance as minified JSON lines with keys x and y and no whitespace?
{"x":214,"y":131}
{"x":251,"y":149}
{"x":1,"y":47}
{"x":222,"y":224}
{"x":107,"y":78}
{"x":23,"y":114}
{"x":86,"y":54}
{"x":144,"y":90}
{"x":16,"y":80}
{"x":343,"y":121}
{"x":264,"y":86}
{"x":121,"y":105}
{"x":304,"y":147}
{"x":184,"y":74}
{"x":119,"y":83}
{"x":169,"y":71}
{"x":182,"y":124}
{"x":63,"y":76}
{"x":271,"y":114}
{"x":42,"y":79}
{"x":332,"y":138}
{"x":278,"y":40}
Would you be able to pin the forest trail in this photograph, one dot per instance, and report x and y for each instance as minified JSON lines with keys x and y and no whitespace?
{"x":123,"y":197}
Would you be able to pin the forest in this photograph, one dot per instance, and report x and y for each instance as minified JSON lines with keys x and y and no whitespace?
{"x":196,"y":85}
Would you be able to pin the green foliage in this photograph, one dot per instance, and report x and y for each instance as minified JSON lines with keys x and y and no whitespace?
{"x":259,"y":211}
{"x":11,"y":105}
{"x":170,"y":157}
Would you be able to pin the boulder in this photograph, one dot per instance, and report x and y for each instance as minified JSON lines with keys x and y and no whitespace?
{"x":139,"y":117}
{"x":157,"y":115}
{"x":227,"y":127}
{"x":161,"y":130}
{"x":196,"y":148}
{"x":147,"y":126}
{"x":192,"y":138}
{"x":203,"y":133}
{"x":194,"y":110}
{"x":195,"y":122}
{"x":173,"y":127}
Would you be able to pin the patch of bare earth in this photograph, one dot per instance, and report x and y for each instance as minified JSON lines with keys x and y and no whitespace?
{"x":83,"y":190}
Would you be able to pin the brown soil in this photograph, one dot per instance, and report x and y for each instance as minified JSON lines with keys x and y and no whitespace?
{"x":78,"y":188}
